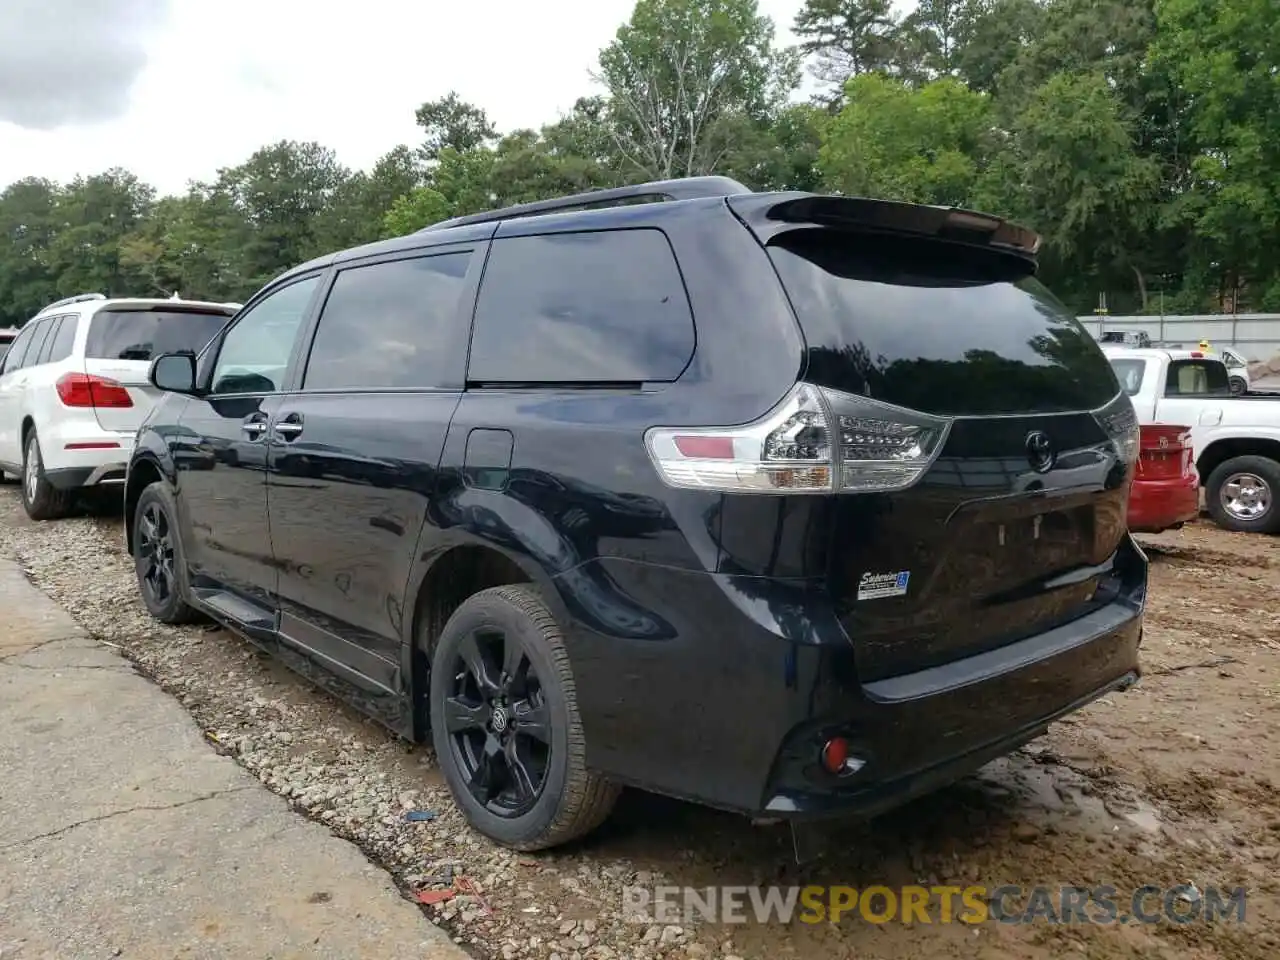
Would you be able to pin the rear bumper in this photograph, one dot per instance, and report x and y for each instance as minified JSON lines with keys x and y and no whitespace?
{"x":732,"y":701}
{"x":1156,"y":505}
{"x":73,"y":478}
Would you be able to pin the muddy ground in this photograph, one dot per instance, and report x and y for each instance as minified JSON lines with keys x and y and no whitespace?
{"x":1173,"y":782}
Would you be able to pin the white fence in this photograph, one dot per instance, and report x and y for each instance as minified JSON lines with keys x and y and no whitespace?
{"x":1256,"y":335}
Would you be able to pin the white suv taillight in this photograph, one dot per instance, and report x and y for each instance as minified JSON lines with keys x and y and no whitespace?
{"x":875,"y":447}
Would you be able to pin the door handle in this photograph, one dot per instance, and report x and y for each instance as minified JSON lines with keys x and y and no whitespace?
{"x":289,"y":427}
{"x":254,"y":426}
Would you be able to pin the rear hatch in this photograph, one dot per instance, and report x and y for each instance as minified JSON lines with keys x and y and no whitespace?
{"x":125,"y":337}
{"x":1009,"y":529}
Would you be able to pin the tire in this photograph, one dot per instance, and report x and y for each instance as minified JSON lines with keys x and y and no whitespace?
{"x":40,"y":498}
{"x":158,"y":557}
{"x":540,"y":726}
{"x":1231,"y":504}
{"x":1238,"y":386}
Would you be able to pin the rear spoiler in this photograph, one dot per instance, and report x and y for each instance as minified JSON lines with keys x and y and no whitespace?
{"x":770,"y":213}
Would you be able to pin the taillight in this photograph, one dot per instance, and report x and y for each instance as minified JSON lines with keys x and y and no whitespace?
{"x":815,"y":441}
{"x":86,"y":390}
{"x":1166,"y":452}
{"x":1120,"y":422}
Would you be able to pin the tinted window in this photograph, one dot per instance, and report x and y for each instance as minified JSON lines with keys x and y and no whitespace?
{"x":254,"y":355}
{"x":145,"y":334}
{"x":51,"y":334}
{"x":13,"y":359}
{"x":384,"y":325}
{"x":60,"y":344}
{"x":38,"y":340}
{"x":1197,"y":378}
{"x":937,"y":327}
{"x":24,"y":352}
{"x":581,"y":307}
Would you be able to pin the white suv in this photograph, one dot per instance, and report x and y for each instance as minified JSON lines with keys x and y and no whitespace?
{"x":74,"y":390}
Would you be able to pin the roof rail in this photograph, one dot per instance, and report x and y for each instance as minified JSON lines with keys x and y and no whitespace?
{"x":78,"y":298}
{"x":685,"y":188}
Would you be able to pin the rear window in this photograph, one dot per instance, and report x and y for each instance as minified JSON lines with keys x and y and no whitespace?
{"x":1129,"y":373}
{"x":1197,"y":378}
{"x":592,"y":307}
{"x":145,"y":334}
{"x":936,"y":327}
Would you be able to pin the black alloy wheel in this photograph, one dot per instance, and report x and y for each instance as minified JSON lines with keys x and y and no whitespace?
{"x":155,"y":555}
{"x":158,"y":557}
{"x":503,"y":710}
{"x":498,"y":723}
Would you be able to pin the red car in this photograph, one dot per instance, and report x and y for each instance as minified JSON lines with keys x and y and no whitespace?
{"x":1166,"y":488}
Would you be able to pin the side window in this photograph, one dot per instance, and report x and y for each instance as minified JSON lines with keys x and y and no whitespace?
{"x":384,"y":325}
{"x":581,"y":307}
{"x":46,"y":343}
{"x":13,"y":359}
{"x":59,"y":345}
{"x":32,"y":355}
{"x":1196,"y":378}
{"x":254,"y":355}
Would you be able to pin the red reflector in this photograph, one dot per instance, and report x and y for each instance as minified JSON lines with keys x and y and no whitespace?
{"x":103,"y":445}
{"x":1197,"y":354}
{"x":835,"y":754}
{"x":706,"y":448}
{"x":86,"y":390}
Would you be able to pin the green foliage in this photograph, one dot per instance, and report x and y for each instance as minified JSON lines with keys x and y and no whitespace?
{"x":890,"y":140}
{"x":1140,"y":137}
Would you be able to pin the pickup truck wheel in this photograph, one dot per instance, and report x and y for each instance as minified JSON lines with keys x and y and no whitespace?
{"x":1241,"y":495}
{"x":1238,"y":386}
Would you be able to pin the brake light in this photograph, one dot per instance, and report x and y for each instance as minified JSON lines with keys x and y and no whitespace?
{"x":1197,"y":354}
{"x":87,"y":390}
{"x":815,"y":441}
{"x":1166,"y":452}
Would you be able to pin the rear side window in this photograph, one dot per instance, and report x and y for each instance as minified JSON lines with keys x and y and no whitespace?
{"x":1197,"y":378}
{"x":384,"y":325}
{"x":59,"y":345}
{"x":39,"y":339}
{"x":593,"y":307}
{"x":1129,"y":373}
{"x":936,"y":327}
{"x":116,"y":334}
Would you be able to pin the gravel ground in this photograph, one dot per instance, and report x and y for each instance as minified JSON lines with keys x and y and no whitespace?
{"x":1175,"y":781}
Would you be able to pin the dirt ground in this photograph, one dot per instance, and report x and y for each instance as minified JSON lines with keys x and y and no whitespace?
{"x":1173,"y":782}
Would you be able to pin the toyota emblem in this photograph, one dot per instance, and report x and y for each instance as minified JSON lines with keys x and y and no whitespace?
{"x":499,"y":720}
{"x":1040,"y":453}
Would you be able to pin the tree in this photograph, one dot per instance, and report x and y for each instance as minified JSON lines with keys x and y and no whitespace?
{"x":930,"y":37}
{"x":1223,"y":59}
{"x":451,"y":122}
{"x":94,"y":214}
{"x":848,"y":37}
{"x":279,"y":191}
{"x":680,"y":71}
{"x":28,"y":226}
{"x":926,"y":145}
{"x":419,"y":208}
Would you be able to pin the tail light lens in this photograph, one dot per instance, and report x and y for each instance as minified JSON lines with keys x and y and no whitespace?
{"x":1120,"y":422}
{"x":815,"y":441}
{"x":86,"y":390}
{"x":1166,"y":452}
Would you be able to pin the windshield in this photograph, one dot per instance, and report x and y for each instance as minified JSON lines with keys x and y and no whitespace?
{"x":145,"y":334}
{"x":936,"y":327}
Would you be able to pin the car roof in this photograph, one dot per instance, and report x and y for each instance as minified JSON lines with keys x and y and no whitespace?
{"x":1156,"y":353}
{"x":139,"y":303}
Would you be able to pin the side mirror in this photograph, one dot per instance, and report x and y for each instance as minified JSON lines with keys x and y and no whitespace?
{"x":174,"y":373}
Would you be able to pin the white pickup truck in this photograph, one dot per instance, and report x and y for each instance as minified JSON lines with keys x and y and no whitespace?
{"x":1236,"y":440}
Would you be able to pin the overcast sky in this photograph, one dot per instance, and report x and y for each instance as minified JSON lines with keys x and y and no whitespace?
{"x":174,"y":89}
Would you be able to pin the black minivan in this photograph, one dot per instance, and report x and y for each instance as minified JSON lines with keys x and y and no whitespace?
{"x":792,"y":505}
